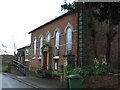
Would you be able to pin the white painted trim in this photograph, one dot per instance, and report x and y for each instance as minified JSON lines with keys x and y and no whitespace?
{"x":39,"y":57}
{"x":56,"y":30}
{"x":26,"y":60}
{"x":34,"y":58}
{"x":56,"y":57}
{"x":46,"y":36}
{"x":40,"y":36}
{"x":68,"y":25}
{"x":34,"y":39}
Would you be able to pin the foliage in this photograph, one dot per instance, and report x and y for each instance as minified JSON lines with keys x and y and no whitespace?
{"x":104,"y":11}
{"x":3,"y":68}
{"x":45,"y":73}
{"x":68,"y":6}
{"x":48,"y":73}
{"x":97,"y":69}
{"x":55,"y":74}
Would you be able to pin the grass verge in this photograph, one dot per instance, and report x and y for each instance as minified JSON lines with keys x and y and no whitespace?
{"x":3,"y":68}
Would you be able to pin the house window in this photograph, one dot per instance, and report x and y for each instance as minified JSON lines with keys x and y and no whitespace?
{"x":69,"y":41}
{"x":34,"y":47}
{"x":41,"y":44}
{"x":48,"y":37}
{"x":57,"y":43}
{"x":26,"y":54}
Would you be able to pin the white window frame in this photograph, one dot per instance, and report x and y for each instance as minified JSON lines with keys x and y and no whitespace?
{"x":48,"y":37}
{"x":68,"y":40}
{"x":41,"y":44}
{"x":57,"y":43}
{"x":34,"y":48}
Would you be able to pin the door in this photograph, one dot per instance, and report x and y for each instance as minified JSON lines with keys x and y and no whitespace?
{"x":45,"y":61}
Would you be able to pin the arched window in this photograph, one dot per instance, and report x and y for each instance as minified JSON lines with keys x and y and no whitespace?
{"x":48,"y":37}
{"x":41,"y":44}
{"x":69,"y":41}
{"x":57,"y":39}
{"x":34,"y":47}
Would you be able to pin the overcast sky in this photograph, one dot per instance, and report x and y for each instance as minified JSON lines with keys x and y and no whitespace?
{"x":18,"y":17}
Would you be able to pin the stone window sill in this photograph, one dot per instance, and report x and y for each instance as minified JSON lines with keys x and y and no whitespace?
{"x":26,"y":60}
{"x":34,"y":58}
{"x":56,"y":57}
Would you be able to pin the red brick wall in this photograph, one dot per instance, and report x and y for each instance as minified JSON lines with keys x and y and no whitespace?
{"x":102,"y":81}
{"x":61,"y":24}
{"x":26,"y":63}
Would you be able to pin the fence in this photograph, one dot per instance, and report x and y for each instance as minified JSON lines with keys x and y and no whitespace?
{"x":19,"y":67}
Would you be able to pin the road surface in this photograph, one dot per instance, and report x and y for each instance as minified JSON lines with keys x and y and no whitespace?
{"x":8,"y":82}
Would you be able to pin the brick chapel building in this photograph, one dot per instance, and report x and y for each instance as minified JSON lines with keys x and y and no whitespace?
{"x":52,"y":40}
{"x":69,"y":37}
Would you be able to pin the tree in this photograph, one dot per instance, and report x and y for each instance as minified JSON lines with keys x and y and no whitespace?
{"x":108,"y":12}
{"x":93,"y":35}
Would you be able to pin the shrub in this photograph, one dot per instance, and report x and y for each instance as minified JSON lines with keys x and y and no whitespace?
{"x":4,"y":68}
{"x":45,"y":73}
{"x":48,"y":73}
{"x":55,"y":74}
{"x":97,"y":69}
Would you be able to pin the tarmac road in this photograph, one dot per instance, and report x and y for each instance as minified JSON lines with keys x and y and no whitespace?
{"x":14,"y":82}
{"x":7,"y":82}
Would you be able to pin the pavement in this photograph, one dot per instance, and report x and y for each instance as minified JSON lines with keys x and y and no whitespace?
{"x":36,"y":82}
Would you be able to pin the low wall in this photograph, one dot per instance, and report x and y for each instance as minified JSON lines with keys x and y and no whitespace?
{"x":103,"y":81}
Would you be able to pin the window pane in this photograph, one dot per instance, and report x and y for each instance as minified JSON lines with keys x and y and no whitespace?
{"x":57,"y":43}
{"x":26,"y":53}
{"x":48,"y":37}
{"x":41,"y":43}
{"x":69,"y":40}
{"x":34,"y":47}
